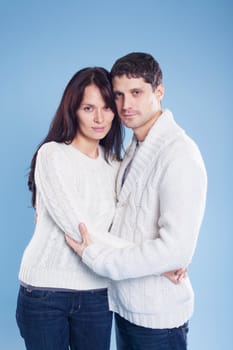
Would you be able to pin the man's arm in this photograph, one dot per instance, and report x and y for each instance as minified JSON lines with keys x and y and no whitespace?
{"x":182,"y":203}
{"x":175,"y":276}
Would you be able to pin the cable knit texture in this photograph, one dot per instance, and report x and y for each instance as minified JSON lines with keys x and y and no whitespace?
{"x":71,"y":188}
{"x":159,"y":210}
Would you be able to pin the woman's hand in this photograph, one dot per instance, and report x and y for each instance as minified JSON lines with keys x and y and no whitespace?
{"x":176,"y":276}
{"x":79,"y":247}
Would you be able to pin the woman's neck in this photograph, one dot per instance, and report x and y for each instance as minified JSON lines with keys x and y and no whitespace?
{"x":86,"y":146}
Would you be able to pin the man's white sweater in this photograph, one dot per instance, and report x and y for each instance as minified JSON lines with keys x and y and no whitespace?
{"x":159,"y":209}
{"x":71,"y":188}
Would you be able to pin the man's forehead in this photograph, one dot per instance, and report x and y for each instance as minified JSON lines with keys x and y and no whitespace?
{"x":124,"y":82}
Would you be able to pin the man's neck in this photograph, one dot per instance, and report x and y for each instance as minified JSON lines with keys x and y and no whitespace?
{"x":142,"y":132}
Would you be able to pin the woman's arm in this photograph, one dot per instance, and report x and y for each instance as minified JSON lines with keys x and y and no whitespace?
{"x":57,"y":184}
{"x":58,"y":189}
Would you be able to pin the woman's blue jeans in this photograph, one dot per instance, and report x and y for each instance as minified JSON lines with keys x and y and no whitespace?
{"x":51,"y":320}
{"x":132,"y":337}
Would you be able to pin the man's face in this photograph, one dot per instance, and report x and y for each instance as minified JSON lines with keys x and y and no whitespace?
{"x":137,"y":104}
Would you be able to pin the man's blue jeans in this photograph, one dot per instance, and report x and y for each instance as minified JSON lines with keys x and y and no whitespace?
{"x":51,"y":320}
{"x":132,"y":337}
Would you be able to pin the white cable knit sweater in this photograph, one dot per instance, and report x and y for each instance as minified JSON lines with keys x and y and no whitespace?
{"x":71,"y":188}
{"x":159,"y":209}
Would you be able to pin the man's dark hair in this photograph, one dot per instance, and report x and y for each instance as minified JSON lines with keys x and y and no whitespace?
{"x":139,"y":65}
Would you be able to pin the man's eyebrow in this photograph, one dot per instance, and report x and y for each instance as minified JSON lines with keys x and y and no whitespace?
{"x":136,"y":88}
{"x":117,"y":91}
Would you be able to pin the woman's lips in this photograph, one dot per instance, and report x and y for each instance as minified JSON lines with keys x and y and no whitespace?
{"x":99,"y":129}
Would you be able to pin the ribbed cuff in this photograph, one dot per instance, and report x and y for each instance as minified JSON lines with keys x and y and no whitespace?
{"x":91,"y":253}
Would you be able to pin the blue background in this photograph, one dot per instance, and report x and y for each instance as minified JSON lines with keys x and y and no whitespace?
{"x":43,"y":43}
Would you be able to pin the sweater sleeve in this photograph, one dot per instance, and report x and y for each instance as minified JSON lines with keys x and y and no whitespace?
{"x":55,"y":180}
{"x":58,"y":189}
{"x":182,"y":195}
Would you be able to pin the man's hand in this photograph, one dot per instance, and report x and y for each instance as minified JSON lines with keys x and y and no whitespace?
{"x":79,"y":247}
{"x":176,"y":276}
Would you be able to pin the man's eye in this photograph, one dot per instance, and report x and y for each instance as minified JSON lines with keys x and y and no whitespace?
{"x":136,"y":92}
{"x":107,"y":108}
{"x":117,"y":94}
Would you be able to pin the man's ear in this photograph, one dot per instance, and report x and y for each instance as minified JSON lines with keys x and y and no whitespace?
{"x":160,"y":91}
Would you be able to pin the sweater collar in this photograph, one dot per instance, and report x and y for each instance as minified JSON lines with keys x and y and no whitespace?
{"x":162,"y":132}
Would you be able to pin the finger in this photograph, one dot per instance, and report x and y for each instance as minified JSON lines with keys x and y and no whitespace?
{"x":85,"y":234}
{"x":181,"y":276}
{"x":174,"y":280}
{"x":182,"y":271}
{"x":70,"y":239}
{"x":72,"y":243}
{"x":82,"y":228}
{"x":177,"y":277}
{"x":171,"y":276}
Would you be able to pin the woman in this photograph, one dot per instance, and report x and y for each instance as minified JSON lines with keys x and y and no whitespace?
{"x":61,"y":303}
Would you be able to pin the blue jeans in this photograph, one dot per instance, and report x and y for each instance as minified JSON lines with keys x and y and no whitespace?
{"x":132,"y":337}
{"x":51,"y":320}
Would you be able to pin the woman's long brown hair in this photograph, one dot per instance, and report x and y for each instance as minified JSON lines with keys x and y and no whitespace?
{"x":64,"y":125}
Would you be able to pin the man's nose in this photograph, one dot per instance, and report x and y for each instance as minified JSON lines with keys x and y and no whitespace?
{"x":126,"y":103}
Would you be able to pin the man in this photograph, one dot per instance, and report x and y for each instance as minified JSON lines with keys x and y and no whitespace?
{"x":161,"y":192}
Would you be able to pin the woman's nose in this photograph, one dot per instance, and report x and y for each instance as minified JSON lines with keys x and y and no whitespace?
{"x":98,"y":118}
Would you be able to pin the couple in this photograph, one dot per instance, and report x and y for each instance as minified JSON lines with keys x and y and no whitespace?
{"x":142,"y":217}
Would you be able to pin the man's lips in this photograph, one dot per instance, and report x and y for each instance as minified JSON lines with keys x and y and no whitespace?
{"x":129,"y":115}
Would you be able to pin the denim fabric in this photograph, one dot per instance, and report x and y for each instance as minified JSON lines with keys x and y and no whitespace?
{"x":132,"y":337}
{"x":51,"y":320}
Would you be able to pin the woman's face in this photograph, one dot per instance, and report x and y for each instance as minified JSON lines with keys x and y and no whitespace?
{"x":94,"y":116}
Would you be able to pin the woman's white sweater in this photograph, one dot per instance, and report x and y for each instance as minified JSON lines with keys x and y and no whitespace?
{"x":71,"y":188}
{"x":159,"y":209}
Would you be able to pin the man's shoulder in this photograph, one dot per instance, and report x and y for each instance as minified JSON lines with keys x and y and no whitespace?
{"x":182,"y":153}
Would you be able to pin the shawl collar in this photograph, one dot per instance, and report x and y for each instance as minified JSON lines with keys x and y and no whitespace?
{"x":162,"y":132}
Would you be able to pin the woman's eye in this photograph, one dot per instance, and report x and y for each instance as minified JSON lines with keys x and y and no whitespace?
{"x":136,"y":92}
{"x":107,"y":108}
{"x":88,"y":108}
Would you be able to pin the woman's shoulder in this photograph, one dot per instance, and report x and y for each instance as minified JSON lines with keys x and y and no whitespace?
{"x":53,"y":150}
{"x":52,"y":147}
